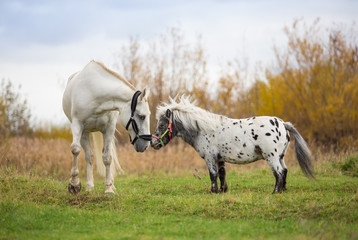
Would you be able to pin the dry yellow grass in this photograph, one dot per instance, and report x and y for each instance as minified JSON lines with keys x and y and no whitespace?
{"x":52,"y":157}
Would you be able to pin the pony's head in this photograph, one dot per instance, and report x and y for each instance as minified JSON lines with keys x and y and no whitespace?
{"x":181,"y":119}
{"x":138,"y":125}
{"x":164,"y":131}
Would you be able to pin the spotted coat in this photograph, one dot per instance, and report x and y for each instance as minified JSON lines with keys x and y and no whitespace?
{"x":219,"y":139}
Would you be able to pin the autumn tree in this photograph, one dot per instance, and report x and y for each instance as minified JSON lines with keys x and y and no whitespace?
{"x":314,"y":83}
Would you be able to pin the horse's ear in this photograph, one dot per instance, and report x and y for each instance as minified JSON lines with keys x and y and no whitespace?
{"x":144,"y":95}
{"x":168,"y":113}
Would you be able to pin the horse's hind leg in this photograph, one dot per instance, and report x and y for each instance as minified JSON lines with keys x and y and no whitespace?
{"x":222,"y":177}
{"x":74,"y":185}
{"x":86,"y":145}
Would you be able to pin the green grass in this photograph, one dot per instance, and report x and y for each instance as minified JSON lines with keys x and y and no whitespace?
{"x":165,"y":207}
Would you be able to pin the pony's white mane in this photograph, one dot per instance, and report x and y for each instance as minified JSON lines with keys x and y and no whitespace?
{"x":191,"y":116}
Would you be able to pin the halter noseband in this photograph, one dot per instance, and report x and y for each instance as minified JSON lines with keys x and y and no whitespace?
{"x":146,"y":137}
{"x":169,"y":131}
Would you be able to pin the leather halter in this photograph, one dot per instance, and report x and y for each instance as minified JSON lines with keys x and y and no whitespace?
{"x":146,"y":137}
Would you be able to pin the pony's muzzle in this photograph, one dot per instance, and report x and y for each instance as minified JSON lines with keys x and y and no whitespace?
{"x":155,"y":143}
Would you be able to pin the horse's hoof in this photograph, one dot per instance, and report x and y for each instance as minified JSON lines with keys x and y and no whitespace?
{"x":89,"y":188}
{"x":74,"y":189}
{"x":110,"y":189}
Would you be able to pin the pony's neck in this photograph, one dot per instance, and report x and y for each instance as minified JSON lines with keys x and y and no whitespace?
{"x":189,"y":136}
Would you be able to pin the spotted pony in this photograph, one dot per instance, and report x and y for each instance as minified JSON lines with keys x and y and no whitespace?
{"x":219,"y":139}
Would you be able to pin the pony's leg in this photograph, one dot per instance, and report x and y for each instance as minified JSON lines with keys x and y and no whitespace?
{"x":277,"y":170}
{"x":222,"y":177}
{"x":284,"y":173}
{"x":282,"y":162}
{"x":213,"y":171}
{"x":107,"y":158}
{"x":74,"y":185}
{"x":86,"y":145}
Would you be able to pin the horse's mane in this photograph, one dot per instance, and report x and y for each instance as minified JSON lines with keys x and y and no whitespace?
{"x":115,"y":74}
{"x":191,"y":116}
{"x":72,"y":76}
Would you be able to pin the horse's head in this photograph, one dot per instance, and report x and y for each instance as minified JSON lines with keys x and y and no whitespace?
{"x":138,"y":125}
{"x":164,"y":131}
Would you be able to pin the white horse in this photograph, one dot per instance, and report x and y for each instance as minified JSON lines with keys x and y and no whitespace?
{"x":93,"y":100}
{"x":219,"y":139}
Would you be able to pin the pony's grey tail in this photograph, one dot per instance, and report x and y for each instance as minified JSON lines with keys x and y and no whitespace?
{"x":303,"y":153}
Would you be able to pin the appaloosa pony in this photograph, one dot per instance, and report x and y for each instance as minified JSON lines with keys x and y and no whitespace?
{"x":219,"y":139}
{"x":94,"y":99}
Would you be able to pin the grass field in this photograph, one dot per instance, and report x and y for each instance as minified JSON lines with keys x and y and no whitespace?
{"x":180,"y":206}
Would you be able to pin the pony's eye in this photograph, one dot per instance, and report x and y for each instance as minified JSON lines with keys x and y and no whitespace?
{"x":141,"y":117}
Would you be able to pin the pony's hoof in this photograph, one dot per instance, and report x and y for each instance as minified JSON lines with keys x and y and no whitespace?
{"x":74,"y":189}
{"x":223,"y":189}
{"x":214,"y":190}
{"x":276,"y":191}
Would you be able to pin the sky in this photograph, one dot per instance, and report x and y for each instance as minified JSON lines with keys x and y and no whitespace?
{"x":42,"y":42}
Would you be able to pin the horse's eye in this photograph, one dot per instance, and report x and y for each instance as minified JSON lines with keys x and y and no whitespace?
{"x":142,"y":117}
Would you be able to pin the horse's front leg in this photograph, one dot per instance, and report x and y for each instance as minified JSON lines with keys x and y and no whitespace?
{"x":213,"y":171}
{"x":86,"y":145}
{"x":74,"y":185}
{"x":107,"y":159}
{"x":222,"y":177}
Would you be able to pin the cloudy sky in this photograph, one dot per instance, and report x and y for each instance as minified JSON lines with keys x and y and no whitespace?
{"x":42,"y":42}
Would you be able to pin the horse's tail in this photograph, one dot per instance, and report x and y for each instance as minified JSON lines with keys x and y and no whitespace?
{"x":303,"y":154}
{"x":98,"y":146}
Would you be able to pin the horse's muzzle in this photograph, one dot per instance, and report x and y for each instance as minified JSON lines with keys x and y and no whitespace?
{"x":141,"y":145}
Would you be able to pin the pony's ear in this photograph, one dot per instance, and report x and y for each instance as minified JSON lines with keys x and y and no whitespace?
{"x":168,"y":113}
{"x":144,"y":95}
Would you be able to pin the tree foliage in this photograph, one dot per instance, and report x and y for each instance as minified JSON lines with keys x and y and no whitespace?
{"x":315,"y":83}
{"x":14,"y":112}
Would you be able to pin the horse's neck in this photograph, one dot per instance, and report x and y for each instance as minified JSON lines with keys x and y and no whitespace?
{"x":110,"y":92}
